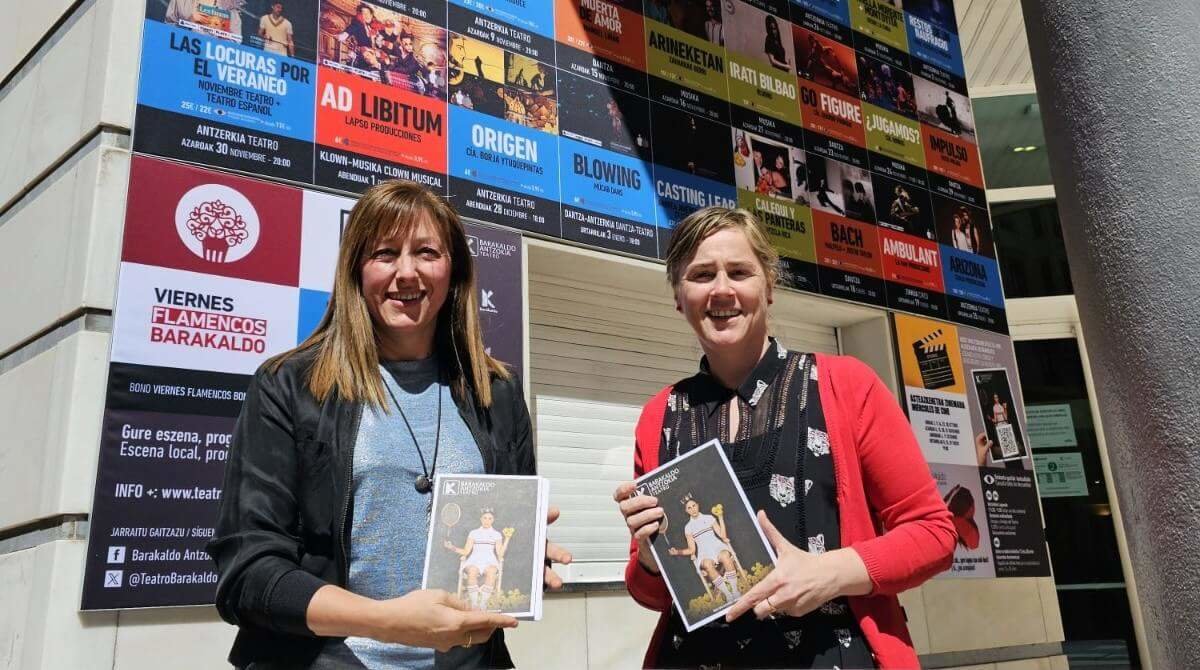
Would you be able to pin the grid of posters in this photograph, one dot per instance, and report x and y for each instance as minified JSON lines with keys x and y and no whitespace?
{"x":218,"y":273}
{"x":845,"y":126}
{"x":964,"y":402}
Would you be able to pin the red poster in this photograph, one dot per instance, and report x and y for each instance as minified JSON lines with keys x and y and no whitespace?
{"x":846,"y":244}
{"x":831,"y":113}
{"x":186,"y":218}
{"x":911,"y":260}
{"x":603,"y":28}
{"x":367,"y":118}
{"x":951,"y":156}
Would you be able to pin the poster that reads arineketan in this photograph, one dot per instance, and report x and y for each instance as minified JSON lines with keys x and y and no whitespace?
{"x":229,"y":85}
{"x":685,"y":58}
{"x":381,"y":94}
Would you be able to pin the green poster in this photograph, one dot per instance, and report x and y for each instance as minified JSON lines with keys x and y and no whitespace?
{"x":763,"y":89}
{"x":685,"y":59}
{"x":788,"y":225}
{"x":893,"y":135}
{"x":1050,"y":426}
{"x":1060,"y":475}
{"x":879,"y":19}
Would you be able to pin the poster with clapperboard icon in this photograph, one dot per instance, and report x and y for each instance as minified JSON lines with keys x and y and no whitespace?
{"x":934,"y":361}
{"x":487,"y":542}
{"x":709,"y":546}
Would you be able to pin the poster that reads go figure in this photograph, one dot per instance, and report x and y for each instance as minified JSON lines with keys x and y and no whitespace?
{"x":229,"y":86}
{"x":381,"y":95}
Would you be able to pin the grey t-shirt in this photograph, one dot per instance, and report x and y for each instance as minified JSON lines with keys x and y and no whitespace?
{"x":391,"y":519}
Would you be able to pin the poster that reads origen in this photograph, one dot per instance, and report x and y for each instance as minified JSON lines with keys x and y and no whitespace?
{"x":608,"y":196}
{"x":770,"y":179}
{"x":218,"y":273}
{"x":685,"y":57}
{"x":503,"y":145}
{"x":381,"y":94}
{"x":603,"y":40}
{"x":690,"y":171}
{"x":229,"y":86}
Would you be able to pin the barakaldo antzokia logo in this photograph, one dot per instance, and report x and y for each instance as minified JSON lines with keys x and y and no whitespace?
{"x":217,"y":223}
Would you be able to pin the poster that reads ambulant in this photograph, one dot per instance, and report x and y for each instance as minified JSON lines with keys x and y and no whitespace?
{"x":229,"y":85}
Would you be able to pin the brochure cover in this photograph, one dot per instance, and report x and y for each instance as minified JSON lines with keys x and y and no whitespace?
{"x":999,"y":414}
{"x":487,"y":541}
{"x":709,"y":547}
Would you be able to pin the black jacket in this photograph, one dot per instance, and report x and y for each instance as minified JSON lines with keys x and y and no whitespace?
{"x":282,"y":531}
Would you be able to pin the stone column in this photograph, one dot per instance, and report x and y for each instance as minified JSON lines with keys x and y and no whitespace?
{"x":1119,"y":88}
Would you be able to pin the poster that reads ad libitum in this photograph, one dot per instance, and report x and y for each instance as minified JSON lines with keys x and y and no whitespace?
{"x":964,"y":402}
{"x":218,"y":273}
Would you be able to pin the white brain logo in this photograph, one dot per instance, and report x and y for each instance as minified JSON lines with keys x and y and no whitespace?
{"x":217,"y":223}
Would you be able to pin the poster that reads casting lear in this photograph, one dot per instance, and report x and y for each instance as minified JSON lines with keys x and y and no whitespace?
{"x":964,"y":402}
{"x":218,"y":273}
{"x":229,"y":85}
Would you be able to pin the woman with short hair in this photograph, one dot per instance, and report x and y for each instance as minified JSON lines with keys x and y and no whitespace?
{"x":330,"y":474}
{"x":820,"y":447}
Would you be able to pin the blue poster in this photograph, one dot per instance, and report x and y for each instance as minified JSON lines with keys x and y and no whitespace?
{"x":606,"y":182}
{"x":217,"y":102}
{"x":971,"y":277}
{"x":834,"y":10}
{"x":934,"y":44}
{"x":503,"y":172}
{"x":679,"y":193}
{"x":536,"y":17}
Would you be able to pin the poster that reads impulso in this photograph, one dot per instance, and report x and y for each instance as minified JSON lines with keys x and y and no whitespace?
{"x":603,"y":40}
{"x":231,"y":88}
{"x":503,"y":146}
{"x":604,"y":152}
{"x":381,"y":95}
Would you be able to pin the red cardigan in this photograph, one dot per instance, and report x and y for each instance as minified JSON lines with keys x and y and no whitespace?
{"x":890,"y":509}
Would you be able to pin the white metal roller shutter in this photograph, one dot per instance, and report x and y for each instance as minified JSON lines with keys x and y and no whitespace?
{"x":597,"y":353}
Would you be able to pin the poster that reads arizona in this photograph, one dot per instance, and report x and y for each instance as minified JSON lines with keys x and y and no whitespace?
{"x":229,"y":84}
{"x":381,"y":97}
{"x":935,"y":389}
{"x":685,"y":60}
{"x":603,"y":40}
{"x":881,"y":20}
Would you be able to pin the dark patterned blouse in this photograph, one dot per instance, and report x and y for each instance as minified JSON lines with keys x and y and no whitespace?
{"x":780,"y":453}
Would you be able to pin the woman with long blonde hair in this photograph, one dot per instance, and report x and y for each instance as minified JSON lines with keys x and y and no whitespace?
{"x":328,"y":487}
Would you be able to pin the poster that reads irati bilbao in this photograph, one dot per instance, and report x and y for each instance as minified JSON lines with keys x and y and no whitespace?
{"x":964,"y":402}
{"x":770,"y":178}
{"x":218,"y":273}
{"x":381,"y":94}
{"x":603,"y":40}
{"x":761,"y":63}
{"x":608,"y":195}
{"x":503,"y":145}
{"x":229,"y":85}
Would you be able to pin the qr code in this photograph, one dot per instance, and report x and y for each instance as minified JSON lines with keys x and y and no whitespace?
{"x":1008,"y":440}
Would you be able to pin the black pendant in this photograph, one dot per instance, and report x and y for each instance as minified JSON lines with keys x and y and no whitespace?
{"x":423,"y":485}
